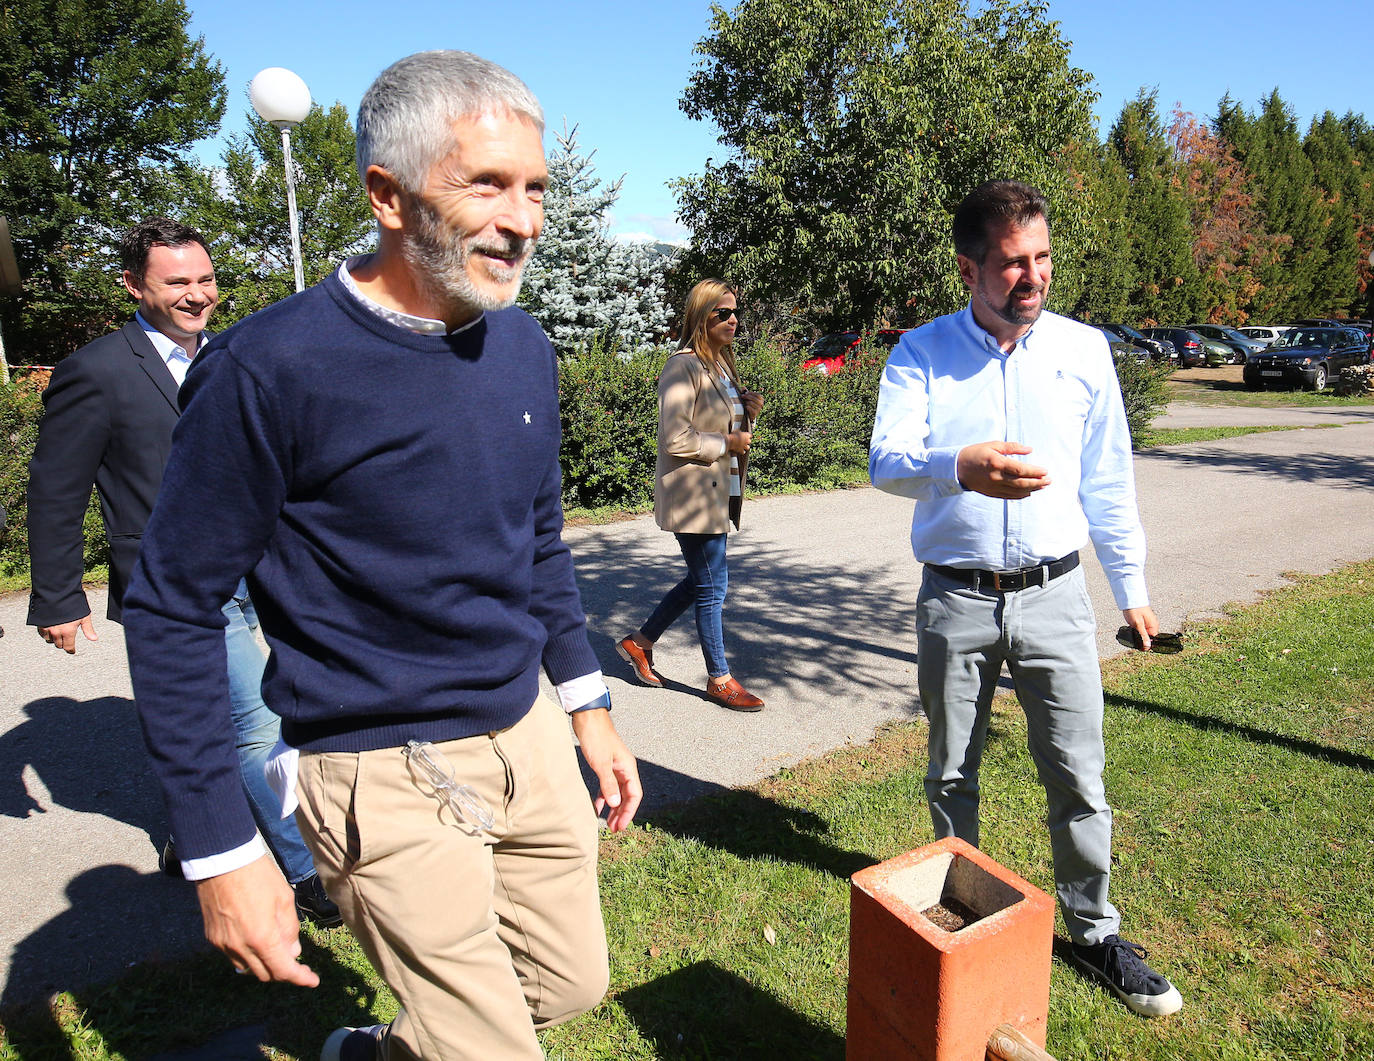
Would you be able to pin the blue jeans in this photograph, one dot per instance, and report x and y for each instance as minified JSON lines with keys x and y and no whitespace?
{"x":704,"y":586}
{"x":256,"y":730}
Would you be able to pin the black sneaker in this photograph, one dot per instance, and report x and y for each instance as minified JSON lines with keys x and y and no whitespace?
{"x":355,"y":1044}
{"x":1120,"y":965}
{"x":313,"y":903}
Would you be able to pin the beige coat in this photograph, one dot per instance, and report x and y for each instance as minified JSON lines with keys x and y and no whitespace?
{"x":692,"y":474}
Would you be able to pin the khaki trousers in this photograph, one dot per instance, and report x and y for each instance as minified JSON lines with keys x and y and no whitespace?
{"x":482,"y":937}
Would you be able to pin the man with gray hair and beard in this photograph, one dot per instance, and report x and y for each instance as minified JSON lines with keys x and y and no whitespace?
{"x":379,"y":456}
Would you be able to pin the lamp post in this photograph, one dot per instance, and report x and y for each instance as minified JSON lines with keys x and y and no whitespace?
{"x":280,"y":97}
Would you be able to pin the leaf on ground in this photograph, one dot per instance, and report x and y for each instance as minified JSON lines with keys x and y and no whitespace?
{"x":770,"y":935}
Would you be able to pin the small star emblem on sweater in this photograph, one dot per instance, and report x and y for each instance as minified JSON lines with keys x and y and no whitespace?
{"x":527,"y":418}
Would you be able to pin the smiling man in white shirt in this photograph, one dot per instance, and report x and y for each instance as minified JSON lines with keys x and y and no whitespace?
{"x":1005,"y":423}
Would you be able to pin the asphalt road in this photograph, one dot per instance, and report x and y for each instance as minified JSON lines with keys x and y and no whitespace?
{"x":819,"y":622}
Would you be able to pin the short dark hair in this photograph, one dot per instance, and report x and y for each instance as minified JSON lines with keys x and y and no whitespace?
{"x":152,"y":232}
{"x":996,"y":202}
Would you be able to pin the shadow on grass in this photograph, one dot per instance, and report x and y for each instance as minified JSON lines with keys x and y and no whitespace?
{"x":704,"y":1011}
{"x":1324,"y":752}
{"x":742,"y":822}
{"x":194,"y":1009}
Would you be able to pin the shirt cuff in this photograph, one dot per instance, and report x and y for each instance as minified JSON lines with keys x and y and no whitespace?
{"x":1130,"y":592}
{"x":225,"y":862}
{"x":579,"y":692}
{"x":943,"y":468}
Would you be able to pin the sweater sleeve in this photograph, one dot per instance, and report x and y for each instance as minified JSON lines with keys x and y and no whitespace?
{"x":220,"y":496}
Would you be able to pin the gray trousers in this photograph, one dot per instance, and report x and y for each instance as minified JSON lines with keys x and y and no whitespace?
{"x":1046,"y":635}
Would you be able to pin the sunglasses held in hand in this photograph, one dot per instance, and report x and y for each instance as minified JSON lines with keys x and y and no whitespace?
{"x":1165,"y":644}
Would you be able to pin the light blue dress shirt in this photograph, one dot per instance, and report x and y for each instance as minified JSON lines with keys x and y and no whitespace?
{"x":949,"y":385}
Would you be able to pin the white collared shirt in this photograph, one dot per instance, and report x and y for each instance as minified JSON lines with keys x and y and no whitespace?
{"x":170,"y":350}
{"x":948,"y":385}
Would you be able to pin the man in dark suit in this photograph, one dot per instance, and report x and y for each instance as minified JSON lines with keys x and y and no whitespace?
{"x":109,"y":412}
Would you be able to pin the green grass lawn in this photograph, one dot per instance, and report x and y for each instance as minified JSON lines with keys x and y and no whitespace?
{"x":1240,"y":772}
{"x":1182,"y":436}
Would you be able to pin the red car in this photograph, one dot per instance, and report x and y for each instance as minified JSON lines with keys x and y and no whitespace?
{"x":828,"y":353}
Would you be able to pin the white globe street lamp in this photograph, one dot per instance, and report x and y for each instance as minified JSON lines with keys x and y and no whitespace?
{"x":280,"y":97}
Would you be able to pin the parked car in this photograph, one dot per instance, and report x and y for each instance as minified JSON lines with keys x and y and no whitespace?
{"x":827,"y":354}
{"x":1122,"y":350}
{"x":1241,"y":346}
{"x":1215,"y":353}
{"x":1306,"y":357}
{"x":1263,"y":334}
{"x":1160,"y":349}
{"x":1187,"y":343}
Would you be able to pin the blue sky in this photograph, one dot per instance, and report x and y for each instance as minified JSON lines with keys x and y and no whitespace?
{"x":616,"y":69}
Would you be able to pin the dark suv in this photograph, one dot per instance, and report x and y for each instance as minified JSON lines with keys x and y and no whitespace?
{"x":1306,"y":357}
{"x":1188,"y":343}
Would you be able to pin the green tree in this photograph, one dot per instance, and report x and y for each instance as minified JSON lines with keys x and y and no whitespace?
{"x":241,"y":208}
{"x":1337,"y":175}
{"x":97,"y":95}
{"x":1269,"y":147}
{"x":851,"y":128}
{"x":1155,"y":231}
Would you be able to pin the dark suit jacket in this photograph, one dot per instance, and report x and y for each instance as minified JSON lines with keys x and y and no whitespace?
{"x":109,"y":412}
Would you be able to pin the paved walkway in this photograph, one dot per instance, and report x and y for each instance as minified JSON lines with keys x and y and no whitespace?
{"x":819,"y":622}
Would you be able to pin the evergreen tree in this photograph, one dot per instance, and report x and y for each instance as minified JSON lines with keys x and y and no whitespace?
{"x":1337,"y":176}
{"x":581,"y":284}
{"x":98,"y":94}
{"x":1156,"y":231}
{"x":1268,"y":146}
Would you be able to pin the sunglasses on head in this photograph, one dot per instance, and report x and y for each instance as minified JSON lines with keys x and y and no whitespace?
{"x":724,"y":313}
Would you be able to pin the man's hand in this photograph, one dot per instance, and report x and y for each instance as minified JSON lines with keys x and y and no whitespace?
{"x":753,"y":405}
{"x":1144,"y":623}
{"x":989,"y":468}
{"x":63,"y":635}
{"x":250,"y":914}
{"x":614,"y":766}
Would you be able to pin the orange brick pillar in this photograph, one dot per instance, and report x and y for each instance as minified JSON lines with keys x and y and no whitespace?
{"x":920,"y":993}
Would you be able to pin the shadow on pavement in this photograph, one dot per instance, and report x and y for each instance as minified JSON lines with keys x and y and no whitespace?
{"x":1353,"y":472}
{"x":704,"y":1011}
{"x":90,"y":757}
{"x":118,"y":918}
{"x":804,"y":626}
{"x":193,"y":1008}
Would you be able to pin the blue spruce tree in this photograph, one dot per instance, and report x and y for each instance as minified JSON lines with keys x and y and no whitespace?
{"x":581,"y":284}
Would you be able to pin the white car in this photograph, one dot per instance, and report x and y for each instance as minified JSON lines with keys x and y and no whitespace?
{"x":1264,"y":335}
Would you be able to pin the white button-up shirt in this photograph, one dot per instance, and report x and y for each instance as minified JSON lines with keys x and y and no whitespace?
{"x":949,"y":385}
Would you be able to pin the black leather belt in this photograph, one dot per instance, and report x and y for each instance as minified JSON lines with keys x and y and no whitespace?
{"x":1005,"y":581}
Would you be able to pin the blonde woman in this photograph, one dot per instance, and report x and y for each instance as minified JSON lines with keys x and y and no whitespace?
{"x":705,"y":420}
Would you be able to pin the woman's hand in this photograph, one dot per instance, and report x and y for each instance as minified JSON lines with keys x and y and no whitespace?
{"x":737,"y":442}
{"x":753,"y":404}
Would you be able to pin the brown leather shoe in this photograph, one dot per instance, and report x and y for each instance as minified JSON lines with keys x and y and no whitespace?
{"x":733,"y":695}
{"x":641,"y":661}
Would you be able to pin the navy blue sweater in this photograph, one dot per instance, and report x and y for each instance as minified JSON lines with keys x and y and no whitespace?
{"x":395,"y":497}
